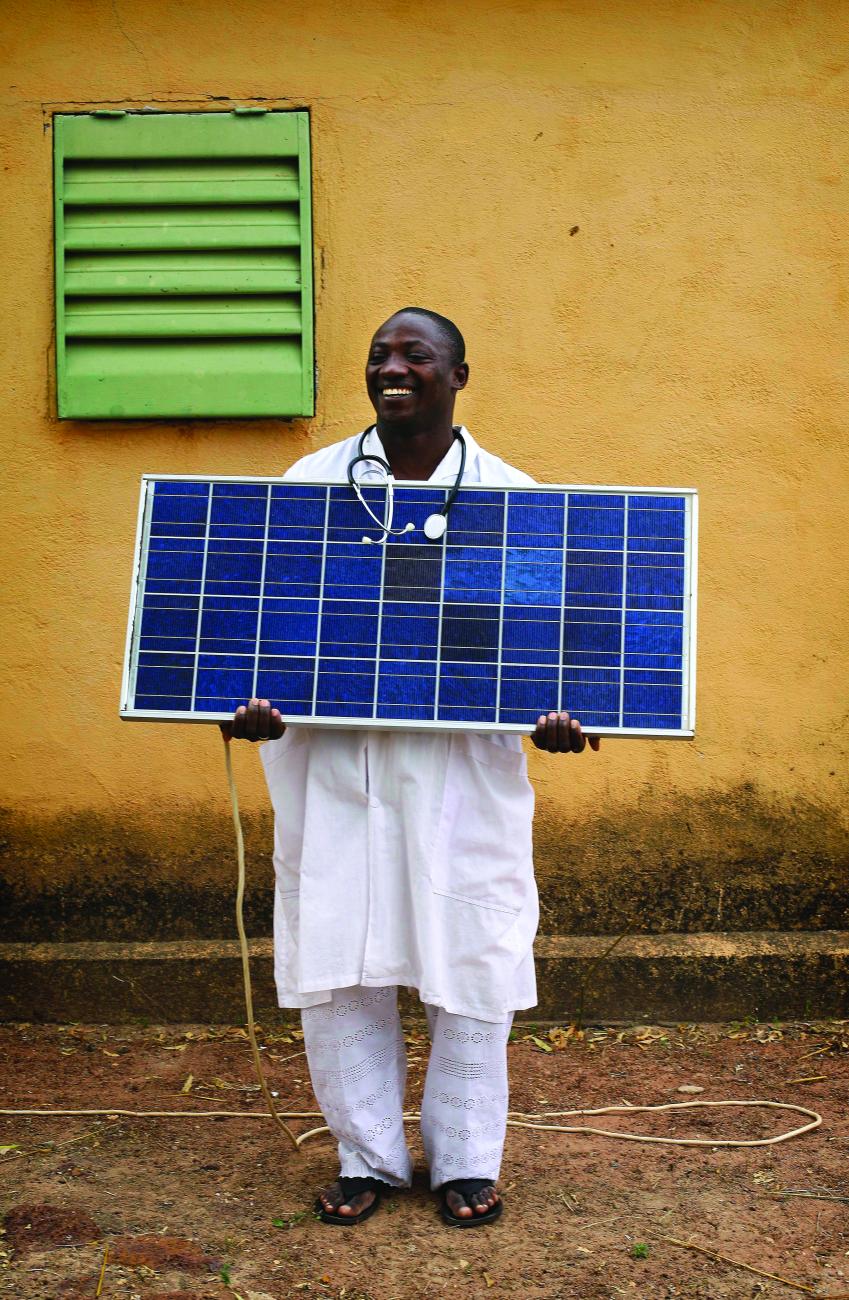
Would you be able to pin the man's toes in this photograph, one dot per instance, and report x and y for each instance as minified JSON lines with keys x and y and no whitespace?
{"x":331,"y":1198}
{"x":355,"y":1205}
{"x":458,"y":1206}
{"x":484,"y":1200}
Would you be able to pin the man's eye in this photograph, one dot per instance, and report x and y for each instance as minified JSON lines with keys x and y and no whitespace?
{"x":419,"y":356}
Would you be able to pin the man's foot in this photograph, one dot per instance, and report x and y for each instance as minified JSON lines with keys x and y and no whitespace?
{"x":350,"y":1200}
{"x":469,"y":1202}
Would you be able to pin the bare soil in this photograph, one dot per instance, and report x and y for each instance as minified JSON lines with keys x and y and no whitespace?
{"x":204,"y":1209}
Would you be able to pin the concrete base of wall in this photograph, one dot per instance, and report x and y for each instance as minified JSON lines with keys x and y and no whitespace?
{"x":715,"y":976}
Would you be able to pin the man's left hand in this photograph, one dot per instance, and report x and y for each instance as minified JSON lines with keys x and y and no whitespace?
{"x":560,"y":734}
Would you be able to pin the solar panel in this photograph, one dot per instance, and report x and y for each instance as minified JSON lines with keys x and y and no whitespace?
{"x":536,"y":598}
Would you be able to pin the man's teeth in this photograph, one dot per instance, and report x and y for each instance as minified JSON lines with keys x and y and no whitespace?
{"x":397,"y":392}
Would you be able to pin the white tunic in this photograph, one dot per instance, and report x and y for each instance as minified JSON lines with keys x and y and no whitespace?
{"x":404,"y":857}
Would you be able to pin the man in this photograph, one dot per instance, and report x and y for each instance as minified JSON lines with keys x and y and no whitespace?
{"x":404,"y":858}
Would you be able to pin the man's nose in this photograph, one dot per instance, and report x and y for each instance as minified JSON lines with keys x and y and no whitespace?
{"x":394,"y":366}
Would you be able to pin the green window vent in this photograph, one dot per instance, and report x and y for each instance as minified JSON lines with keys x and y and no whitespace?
{"x":183,"y":265}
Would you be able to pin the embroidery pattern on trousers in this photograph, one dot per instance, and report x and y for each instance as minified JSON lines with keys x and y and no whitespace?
{"x":359,"y":1077}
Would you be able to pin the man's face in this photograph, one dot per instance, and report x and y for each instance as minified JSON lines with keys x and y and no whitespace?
{"x":411,"y":379}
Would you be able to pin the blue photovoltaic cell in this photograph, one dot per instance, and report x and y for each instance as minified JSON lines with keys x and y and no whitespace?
{"x":535,"y":599}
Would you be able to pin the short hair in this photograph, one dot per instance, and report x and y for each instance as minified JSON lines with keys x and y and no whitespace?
{"x":446,"y":327}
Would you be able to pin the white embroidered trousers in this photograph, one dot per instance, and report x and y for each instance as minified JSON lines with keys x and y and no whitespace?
{"x":358,"y":1065}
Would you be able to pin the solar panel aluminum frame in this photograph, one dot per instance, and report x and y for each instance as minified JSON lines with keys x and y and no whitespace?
{"x":688,"y":656}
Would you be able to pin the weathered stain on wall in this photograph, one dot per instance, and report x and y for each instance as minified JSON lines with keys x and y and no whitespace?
{"x":637,"y":215}
{"x":708,"y":864}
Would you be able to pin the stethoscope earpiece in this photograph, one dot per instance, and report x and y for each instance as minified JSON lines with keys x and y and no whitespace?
{"x":408,"y":528}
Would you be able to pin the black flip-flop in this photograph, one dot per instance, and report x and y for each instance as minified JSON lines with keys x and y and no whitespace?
{"x":467,"y":1188}
{"x":352,"y":1187}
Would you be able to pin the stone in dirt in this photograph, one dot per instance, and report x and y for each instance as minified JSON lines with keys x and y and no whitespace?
{"x":160,"y":1253}
{"x":32,"y":1227}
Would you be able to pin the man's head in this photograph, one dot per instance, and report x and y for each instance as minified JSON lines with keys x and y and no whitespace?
{"x":416,"y":366}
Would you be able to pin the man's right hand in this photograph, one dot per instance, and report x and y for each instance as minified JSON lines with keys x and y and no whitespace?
{"x":255,"y":720}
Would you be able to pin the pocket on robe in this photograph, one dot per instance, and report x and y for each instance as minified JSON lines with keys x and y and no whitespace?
{"x":483,"y":848}
{"x":286,"y":765}
{"x":286,"y":941}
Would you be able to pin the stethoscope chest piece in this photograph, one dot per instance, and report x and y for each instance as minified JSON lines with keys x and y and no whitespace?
{"x":434,"y":527}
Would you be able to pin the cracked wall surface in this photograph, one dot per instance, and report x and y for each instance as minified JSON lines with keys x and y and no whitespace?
{"x":637,"y":215}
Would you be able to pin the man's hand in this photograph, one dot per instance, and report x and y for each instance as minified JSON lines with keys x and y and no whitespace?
{"x":254,"y":721}
{"x":560,"y":734}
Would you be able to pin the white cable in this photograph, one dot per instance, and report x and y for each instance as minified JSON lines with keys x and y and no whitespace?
{"x":523,"y":1121}
{"x":243,"y":944}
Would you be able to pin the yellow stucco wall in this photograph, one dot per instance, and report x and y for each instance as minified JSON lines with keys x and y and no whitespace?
{"x":636,"y":212}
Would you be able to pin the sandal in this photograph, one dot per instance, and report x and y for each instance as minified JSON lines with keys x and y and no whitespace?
{"x":467,"y":1188}
{"x":352,"y":1187}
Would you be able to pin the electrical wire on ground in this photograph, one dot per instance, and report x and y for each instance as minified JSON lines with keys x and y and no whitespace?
{"x":516,"y":1119}
{"x":243,"y":946}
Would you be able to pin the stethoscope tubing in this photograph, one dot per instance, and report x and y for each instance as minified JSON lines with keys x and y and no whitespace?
{"x":364,"y":457}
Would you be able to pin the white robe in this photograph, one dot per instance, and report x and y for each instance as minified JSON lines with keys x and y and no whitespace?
{"x":404,"y":857}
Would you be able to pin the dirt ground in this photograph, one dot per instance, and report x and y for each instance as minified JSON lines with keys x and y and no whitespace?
{"x":200,"y":1208}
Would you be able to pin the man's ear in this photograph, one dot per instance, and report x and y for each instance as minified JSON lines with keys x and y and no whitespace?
{"x":461,"y":375}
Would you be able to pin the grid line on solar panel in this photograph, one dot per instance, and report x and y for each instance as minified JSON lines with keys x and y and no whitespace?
{"x":196,"y":666}
{"x":325,"y":529}
{"x":258,"y":612}
{"x":623,"y":611}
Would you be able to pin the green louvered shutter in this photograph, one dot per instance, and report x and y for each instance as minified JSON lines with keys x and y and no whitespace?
{"x":183,"y":265}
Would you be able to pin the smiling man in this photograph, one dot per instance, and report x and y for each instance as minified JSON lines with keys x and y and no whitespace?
{"x":404,"y":859}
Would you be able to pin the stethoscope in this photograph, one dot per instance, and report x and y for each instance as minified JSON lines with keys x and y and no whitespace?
{"x":434,"y":526}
